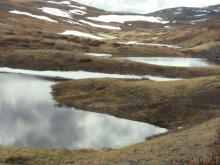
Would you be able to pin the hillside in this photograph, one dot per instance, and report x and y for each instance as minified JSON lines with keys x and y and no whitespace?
{"x":40,"y":35}
{"x":188,"y":14}
{"x":200,"y":37}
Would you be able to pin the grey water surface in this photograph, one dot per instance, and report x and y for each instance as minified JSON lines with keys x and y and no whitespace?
{"x":174,"y":61}
{"x":29,"y":117}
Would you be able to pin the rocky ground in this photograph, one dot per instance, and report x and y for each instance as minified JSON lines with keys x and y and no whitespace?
{"x":211,"y":53}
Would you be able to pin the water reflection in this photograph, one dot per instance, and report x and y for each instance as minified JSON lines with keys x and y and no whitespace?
{"x":174,"y":61}
{"x":151,"y":44}
{"x":83,"y":74}
{"x":30,"y":118}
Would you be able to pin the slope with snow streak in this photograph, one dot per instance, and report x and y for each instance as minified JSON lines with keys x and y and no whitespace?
{"x":63,"y":2}
{"x":100,"y":26}
{"x":77,"y":33}
{"x":34,"y":16}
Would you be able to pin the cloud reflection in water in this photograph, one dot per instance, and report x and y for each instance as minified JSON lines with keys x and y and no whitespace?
{"x":30,"y":118}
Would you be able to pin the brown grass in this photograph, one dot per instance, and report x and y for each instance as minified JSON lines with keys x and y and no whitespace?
{"x":97,"y":43}
{"x":85,"y":47}
{"x":60,"y":47}
{"x":49,"y":43}
{"x":170,"y":105}
{"x":116,"y":45}
{"x":85,"y":60}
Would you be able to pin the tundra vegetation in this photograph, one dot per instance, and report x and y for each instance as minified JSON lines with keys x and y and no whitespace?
{"x":192,"y":103}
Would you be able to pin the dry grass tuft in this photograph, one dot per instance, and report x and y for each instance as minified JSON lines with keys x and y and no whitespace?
{"x":85,"y":60}
{"x":116,"y":45}
{"x":85,"y":47}
{"x":49,"y":43}
{"x":60,"y":47}
{"x":218,"y":39}
{"x":97,"y":43}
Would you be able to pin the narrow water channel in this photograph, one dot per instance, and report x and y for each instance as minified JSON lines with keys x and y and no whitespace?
{"x":29,"y":117}
{"x":174,"y":61}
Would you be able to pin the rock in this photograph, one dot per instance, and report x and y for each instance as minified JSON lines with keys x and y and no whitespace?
{"x":211,"y":53}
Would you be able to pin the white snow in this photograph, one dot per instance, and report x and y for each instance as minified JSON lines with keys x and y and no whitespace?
{"x":78,"y":12}
{"x":77,"y":33}
{"x":31,"y":15}
{"x":63,"y":2}
{"x":56,"y":12}
{"x":178,"y":13}
{"x":107,"y":36}
{"x":199,"y":20}
{"x":78,"y":7}
{"x":98,"y":54}
{"x":130,"y":24}
{"x":72,"y":22}
{"x":100,"y":26}
{"x":123,"y":18}
{"x":154,"y":38}
{"x":135,"y":42}
{"x":174,"y":22}
{"x":167,"y":26}
{"x":200,"y":15}
{"x":179,"y":9}
{"x":203,"y":11}
{"x":81,"y":74}
{"x":62,"y":13}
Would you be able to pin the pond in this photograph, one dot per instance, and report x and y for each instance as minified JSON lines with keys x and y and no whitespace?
{"x":29,"y":117}
{"x":174,"y":61}
{"x":150,"y":44}
{"x":83,"y":74}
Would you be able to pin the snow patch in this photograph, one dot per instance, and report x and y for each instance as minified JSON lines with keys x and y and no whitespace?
{"x":123,"y":18}
{"x":60,"y":3}
{"x":178,"y":13}
{"x":77,"y":33}
{"x":204,"y":11}
{"x":31,"y":15}
{"x":56,"y":12}
{"x":154,"y":38}
{"x":72,"y":22}
{"x":78,"y":7}
{"x":200,"y":15}
{"x":98,"y":54}
{"x":78,"y":12}
{"x":100,"y":26}
{"x":199,"y":20}
{"x":107,"y":36}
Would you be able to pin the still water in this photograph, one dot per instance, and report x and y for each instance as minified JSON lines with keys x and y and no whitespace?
{"x":174,"y":61}
{"x":29,"y":117}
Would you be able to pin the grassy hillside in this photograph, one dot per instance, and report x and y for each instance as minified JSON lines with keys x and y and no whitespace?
{"x":199,"y":37}
{"x":34,"y":44}
{"x":166,"y":104}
